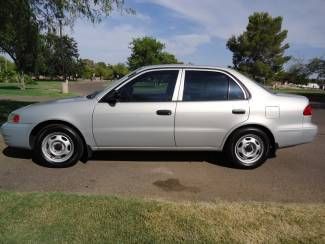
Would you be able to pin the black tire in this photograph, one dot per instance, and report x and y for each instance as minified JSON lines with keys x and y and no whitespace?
{"x":259,"y":139}
{"x":74,"y":142}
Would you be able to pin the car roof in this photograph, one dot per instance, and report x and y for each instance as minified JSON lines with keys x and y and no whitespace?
{"x":182,"y":66}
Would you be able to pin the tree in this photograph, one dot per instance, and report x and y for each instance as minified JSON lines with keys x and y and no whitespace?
{"x":119,"y":70}
{"x":316,"y":67}
{"x":57,"y":56}
{"x":22,"y":21}
{"x":88,"y":68}
{"x":297,"y":73}
{"x":101,"y":69}
{"x":259,"y":51}
{"x":6,"y":65}
{"x":7,"y":70}
{"x":50,"y":13}
{"x":148,"y":51}
{"x":19,"y":34}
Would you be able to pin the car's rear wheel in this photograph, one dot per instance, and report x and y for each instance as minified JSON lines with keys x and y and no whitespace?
{"x":248,"y":147}
{"x":58,"y":146}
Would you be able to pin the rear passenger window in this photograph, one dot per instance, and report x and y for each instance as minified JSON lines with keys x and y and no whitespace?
{"x":205,"y":86}
{"x":235,"y":92}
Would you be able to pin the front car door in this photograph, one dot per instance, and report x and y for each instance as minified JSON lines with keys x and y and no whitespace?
{"x":143,"y":116}
{"x":210,"y":104}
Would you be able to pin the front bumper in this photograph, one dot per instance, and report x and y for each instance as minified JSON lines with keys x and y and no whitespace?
{"x":16,"y":135}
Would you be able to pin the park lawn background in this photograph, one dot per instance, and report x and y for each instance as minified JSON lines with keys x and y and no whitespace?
{"x":314,"y":95}
{"x":42,"y":90}
{"x":70,"y":218}
{"x":51,"y":89}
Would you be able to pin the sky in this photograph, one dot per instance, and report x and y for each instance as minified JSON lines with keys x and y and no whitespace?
{"x":196,"y":31}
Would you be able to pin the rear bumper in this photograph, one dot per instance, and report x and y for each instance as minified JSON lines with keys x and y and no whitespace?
{"x":306,"y":134}
{"x":16,"y":135}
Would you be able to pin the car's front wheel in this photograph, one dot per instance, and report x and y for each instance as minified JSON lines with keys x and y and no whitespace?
{"x":58,"y":146}
{"x":248,"y":148}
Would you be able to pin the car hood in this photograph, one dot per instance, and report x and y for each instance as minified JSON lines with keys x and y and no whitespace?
{"x":64,"y":102}
{"x":53,"y":105}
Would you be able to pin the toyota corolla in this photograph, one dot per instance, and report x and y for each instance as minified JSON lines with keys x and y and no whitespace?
{"x":165,"y":107}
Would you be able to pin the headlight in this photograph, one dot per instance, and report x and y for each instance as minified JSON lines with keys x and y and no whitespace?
{"x":13,"y":118}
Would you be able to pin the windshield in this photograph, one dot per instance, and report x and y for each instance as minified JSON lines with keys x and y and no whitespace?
{"x":111,"y":84}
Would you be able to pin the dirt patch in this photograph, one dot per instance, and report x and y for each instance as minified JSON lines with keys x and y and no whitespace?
{"x":175,"y":185}
{"x":84,"y":88}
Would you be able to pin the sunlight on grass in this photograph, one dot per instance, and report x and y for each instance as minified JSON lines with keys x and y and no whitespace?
{"x":42,"y":88}
{"x":57,"y":218}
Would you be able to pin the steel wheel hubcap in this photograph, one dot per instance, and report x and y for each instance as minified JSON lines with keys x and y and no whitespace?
{"x":249,"y":149}
{"x":57,"y":147}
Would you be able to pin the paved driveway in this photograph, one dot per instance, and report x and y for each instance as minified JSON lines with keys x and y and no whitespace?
{"x":296,"y":175}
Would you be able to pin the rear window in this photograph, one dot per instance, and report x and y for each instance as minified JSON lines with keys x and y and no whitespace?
{"x":210,"y":86}
{"x":235,"y":92}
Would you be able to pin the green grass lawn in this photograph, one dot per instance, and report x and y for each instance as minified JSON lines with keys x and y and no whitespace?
{"x":305,"y":91}
{"x":61,"y":218}
{"x":315,"y":95}
{"x":50,"y":89}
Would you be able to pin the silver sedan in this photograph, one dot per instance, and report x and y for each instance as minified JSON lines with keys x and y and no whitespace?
{"x":165,"y":107}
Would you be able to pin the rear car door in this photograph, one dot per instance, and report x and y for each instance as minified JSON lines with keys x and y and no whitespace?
{"x":143,"y":115}
{"x":210,"y":104}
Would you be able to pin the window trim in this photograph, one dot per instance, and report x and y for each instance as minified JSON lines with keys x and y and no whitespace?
{"x":175,"y":92}
{"x":181,"y":92}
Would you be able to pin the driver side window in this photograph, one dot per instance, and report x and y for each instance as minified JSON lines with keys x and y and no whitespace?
{"x":154,"y":86}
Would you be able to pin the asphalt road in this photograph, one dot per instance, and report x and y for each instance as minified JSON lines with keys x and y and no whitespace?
{"x":297,"y":174}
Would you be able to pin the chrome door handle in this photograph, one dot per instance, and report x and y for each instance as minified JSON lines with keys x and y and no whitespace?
{"x":238,"y":111}
{"x":163,"y":112}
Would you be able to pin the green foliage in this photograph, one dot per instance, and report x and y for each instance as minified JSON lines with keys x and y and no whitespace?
{"x":300,"y":72}
{"x":100,"y":69}
{"x":119,"y":70}
{"x":109,"y":73}
{"x":148,"y":51}
{"x":29,"y":80}
{"x":90,"y":70}
{"x":316,"y":67}
{"x":9,"y":76}
{"x":297,"y":73}
{"x":7,"y":70}
{"x":57,"y":56}
{"x":259,"y":52}
{"x":21,"y":23}
{"x":87,"y":68}
{"x":49,"y":13}
{"x":19,"y":33}
{"x":6,"y":65}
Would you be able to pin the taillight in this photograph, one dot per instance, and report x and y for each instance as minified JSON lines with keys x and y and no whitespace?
{"x":308,"y":111}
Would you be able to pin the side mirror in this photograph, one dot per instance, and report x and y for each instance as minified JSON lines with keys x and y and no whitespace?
{"x":113,"y":97}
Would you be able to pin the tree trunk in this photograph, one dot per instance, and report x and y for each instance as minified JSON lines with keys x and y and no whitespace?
{"x":22,"y":81}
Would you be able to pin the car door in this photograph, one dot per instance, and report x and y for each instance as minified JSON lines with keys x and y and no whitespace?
{"x":211,"y":104}
{"x":143,"y":115}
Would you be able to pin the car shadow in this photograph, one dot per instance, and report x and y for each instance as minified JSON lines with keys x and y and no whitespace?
{"x":17,"y":153}
{"x":215,"y":158}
